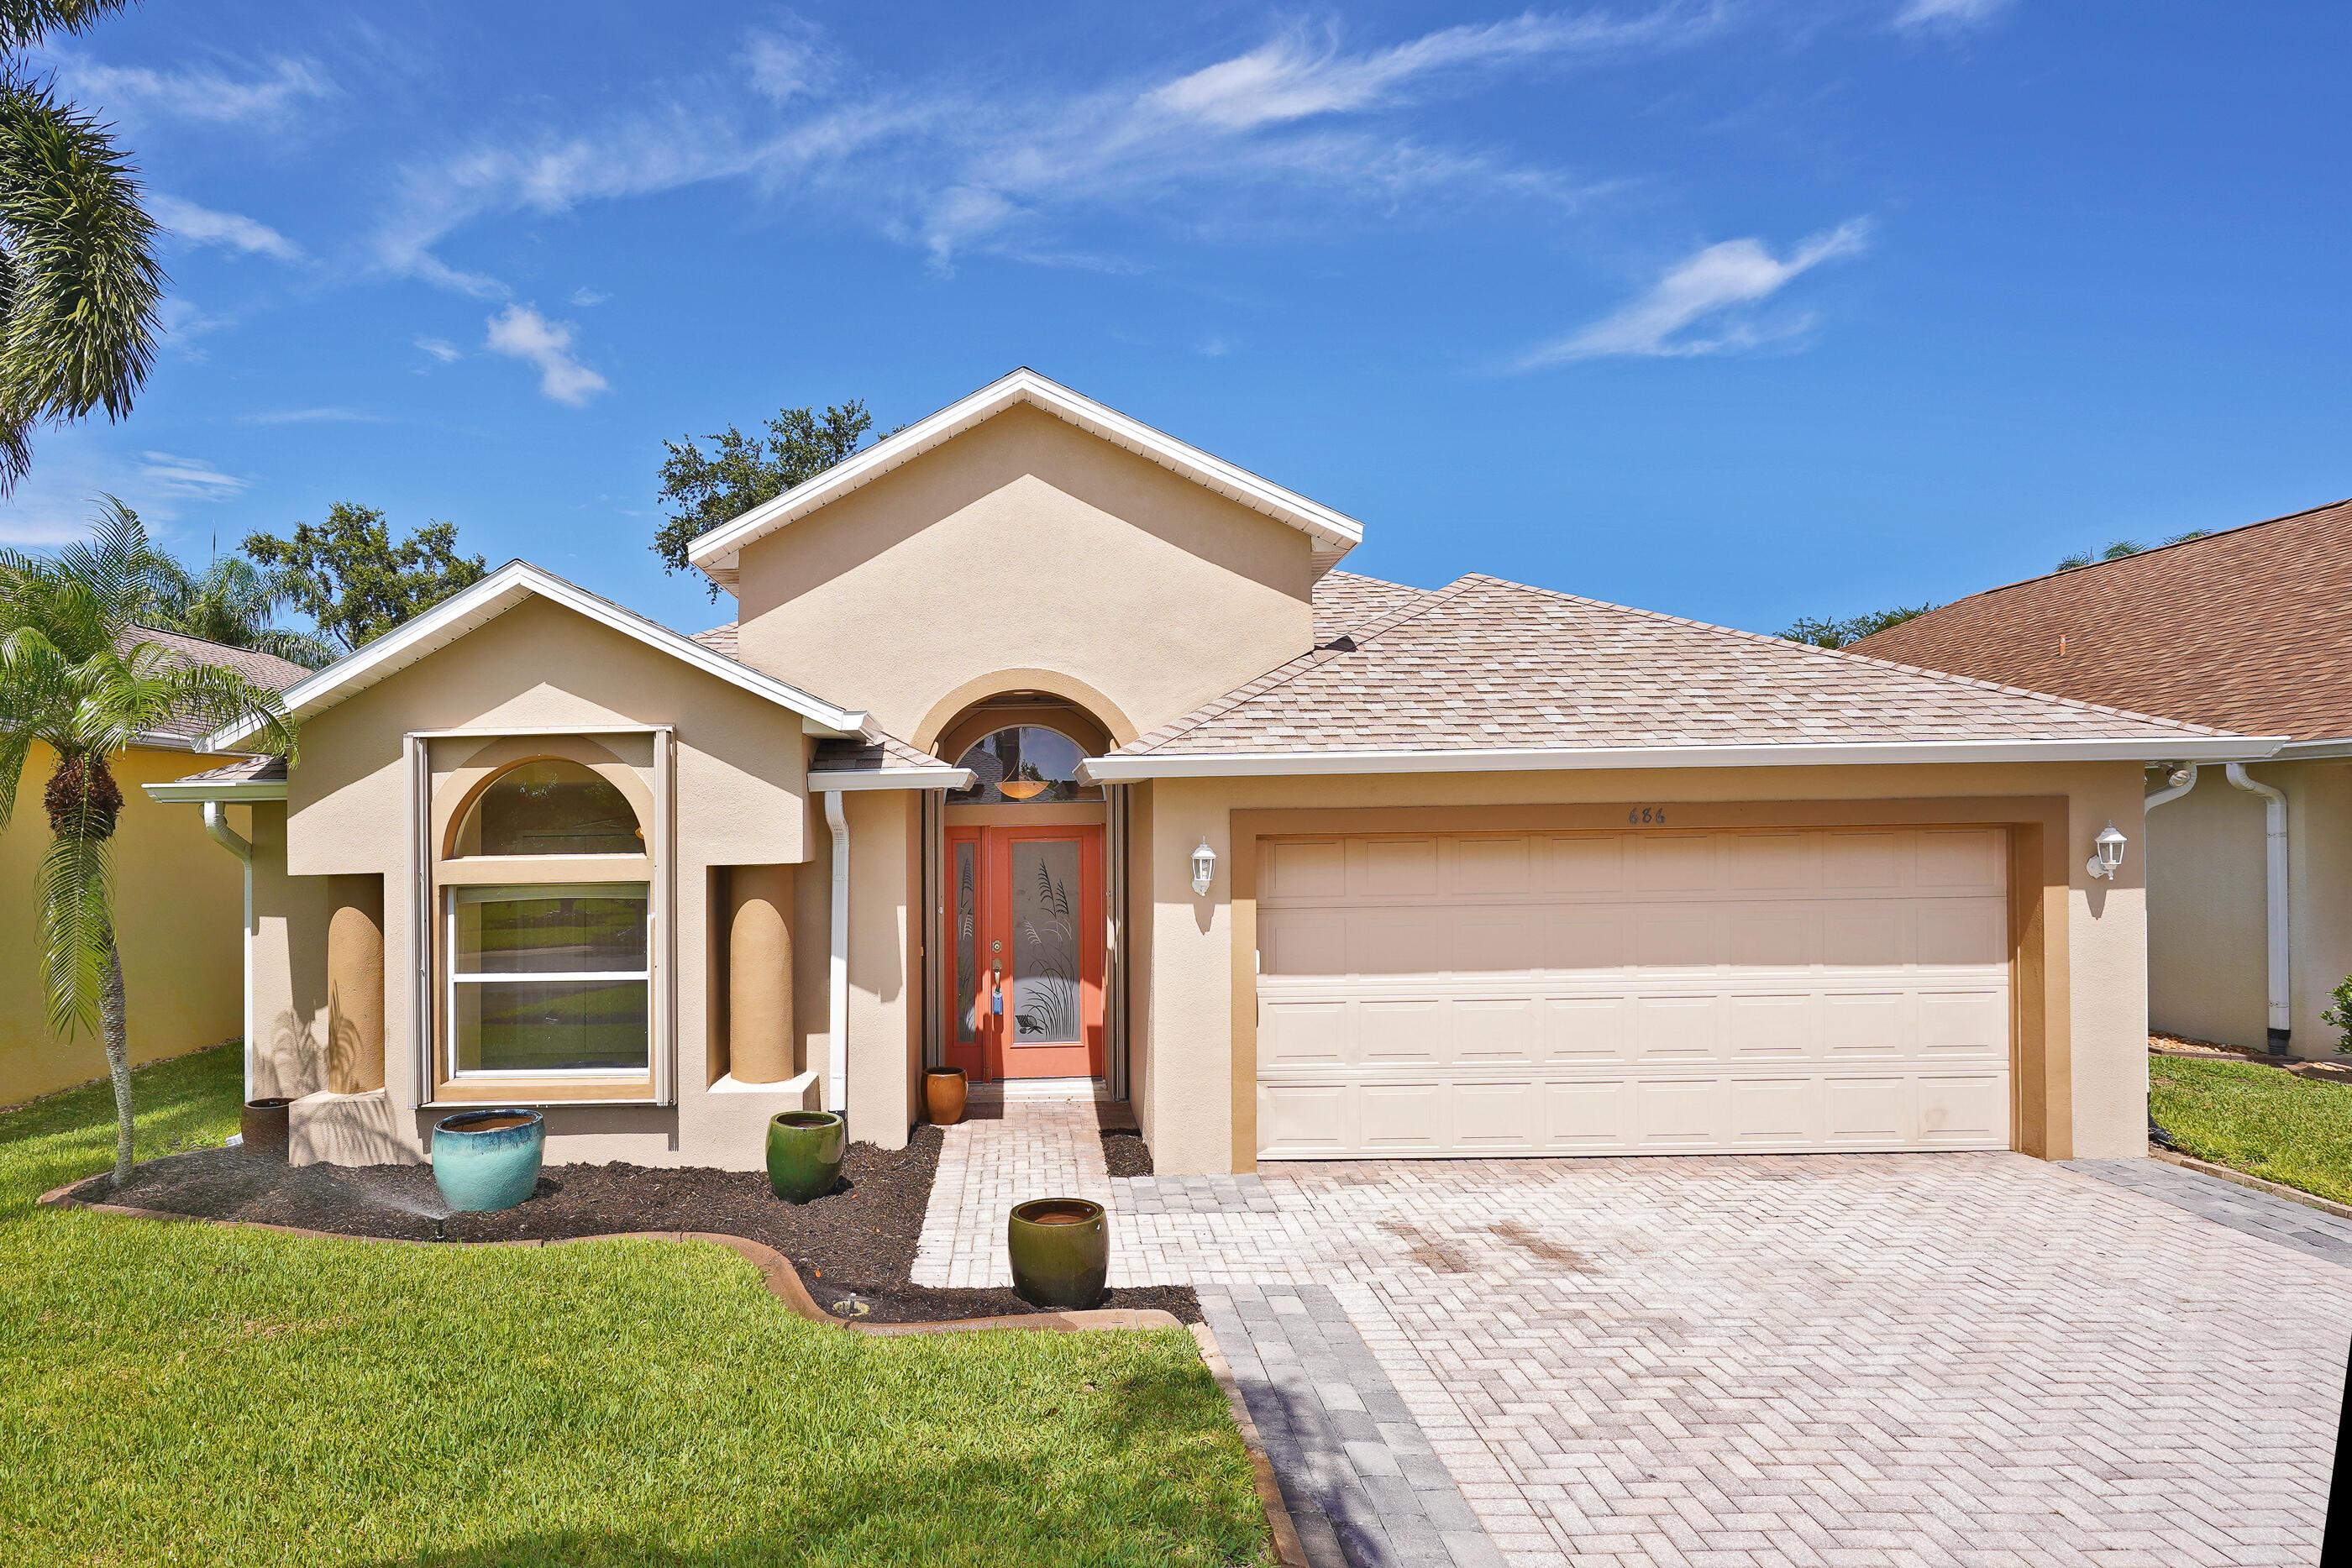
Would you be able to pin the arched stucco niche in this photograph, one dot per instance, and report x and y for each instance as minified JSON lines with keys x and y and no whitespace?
{"x":943,"y":731}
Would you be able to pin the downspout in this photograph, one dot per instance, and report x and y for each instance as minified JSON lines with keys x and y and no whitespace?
{"x":217,"y":825}
{"x":2274,"y":900}
{"x":836,"y":1072}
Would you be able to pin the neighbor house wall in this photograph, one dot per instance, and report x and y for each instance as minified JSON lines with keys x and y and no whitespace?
{"x":179,"y":904}
{"x":1025,"y":554}
{"x":2091,"y":1063}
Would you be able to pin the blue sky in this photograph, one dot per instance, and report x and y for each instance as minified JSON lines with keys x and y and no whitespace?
{"x":1743,"y":310}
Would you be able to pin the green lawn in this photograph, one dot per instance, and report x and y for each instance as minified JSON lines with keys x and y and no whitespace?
{"x":189,"y":1393}
{"x":2258,"y":1120}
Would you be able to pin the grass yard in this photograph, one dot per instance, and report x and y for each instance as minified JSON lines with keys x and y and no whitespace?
{"x":2258,"y":1120}
{"x":189,"y":1394}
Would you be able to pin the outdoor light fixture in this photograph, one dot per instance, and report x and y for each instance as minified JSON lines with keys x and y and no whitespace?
{"x":2110,"y":856}
{"x":1204,"y":866}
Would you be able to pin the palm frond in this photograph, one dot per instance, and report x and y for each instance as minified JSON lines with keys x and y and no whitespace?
{"x":23,"y":23}
{"x":141,"y":688}
{"x":77,"y":928}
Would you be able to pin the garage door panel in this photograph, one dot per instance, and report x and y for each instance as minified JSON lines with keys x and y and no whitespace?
{"x":1764,"y":989}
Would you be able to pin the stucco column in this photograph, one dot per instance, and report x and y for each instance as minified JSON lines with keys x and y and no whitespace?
{"x":355,"y":984}
{"x":759,"y":974}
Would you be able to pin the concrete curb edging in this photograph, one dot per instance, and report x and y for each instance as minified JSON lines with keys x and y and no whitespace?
{"x":1287,"y":1549}
{"x":2274,"y":1189}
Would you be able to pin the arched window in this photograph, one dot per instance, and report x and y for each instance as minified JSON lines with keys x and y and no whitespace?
{"x":1026,"y":765}
{"x":551,"y":807}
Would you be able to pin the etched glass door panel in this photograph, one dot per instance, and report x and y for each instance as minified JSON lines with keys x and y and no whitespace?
{"x":1044,"y":951}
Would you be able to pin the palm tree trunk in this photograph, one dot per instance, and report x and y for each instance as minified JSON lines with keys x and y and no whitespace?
{"x":115,"y":1018}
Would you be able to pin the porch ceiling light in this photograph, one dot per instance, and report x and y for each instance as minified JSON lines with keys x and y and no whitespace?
{"x":1204,"y":866}
{"x":2109,"y":856}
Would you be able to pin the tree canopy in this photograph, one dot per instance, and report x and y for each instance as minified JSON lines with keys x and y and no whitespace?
{"x":703,"y":489}
{"x":1854,"y":628}
{"x":352,"y":580}
{"x":2118,"y":548}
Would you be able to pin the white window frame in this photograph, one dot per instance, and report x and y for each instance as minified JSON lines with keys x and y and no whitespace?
{"x":484,"y":893}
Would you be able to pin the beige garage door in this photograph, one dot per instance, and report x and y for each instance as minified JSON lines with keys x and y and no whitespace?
{"x":1646,"y":992}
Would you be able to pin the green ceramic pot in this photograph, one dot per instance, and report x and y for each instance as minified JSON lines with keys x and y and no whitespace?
{"x":1061,"y":1253}
{"x":805,"y":1150}
{"x":487,"y":1160}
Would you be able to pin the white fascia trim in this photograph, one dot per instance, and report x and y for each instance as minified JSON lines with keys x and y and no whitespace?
{"x":892,"y":778}
{"x":2298,"y":750}
{"x":496,"y":595}
{"x":719,"y":552}
{"x":184,"y":793}
{"x":1237,"y":765}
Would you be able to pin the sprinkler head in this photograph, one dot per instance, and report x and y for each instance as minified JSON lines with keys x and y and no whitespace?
{"x":440,"y":1231}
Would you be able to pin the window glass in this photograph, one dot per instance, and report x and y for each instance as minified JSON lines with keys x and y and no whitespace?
{"x":1023,"y":766}
{"x":967,"y":939}
{"x":552,"y":807}
{"x":549,"y":978}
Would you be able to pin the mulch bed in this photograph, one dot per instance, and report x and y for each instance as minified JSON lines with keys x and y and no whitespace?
{"x":1126,"y":1153}
{"x":854,"y":1248}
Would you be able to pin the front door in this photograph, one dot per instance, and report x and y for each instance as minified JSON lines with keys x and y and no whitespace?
{"x":1025,"y":951}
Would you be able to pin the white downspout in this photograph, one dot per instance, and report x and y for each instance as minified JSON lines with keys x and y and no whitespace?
{"x":836,"y":1072}
{"x":216,"y":824}
{"x":2181,"y":780}
{"x":2274,"y":890}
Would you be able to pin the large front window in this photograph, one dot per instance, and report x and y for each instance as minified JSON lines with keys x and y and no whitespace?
{"x":549,"y":978}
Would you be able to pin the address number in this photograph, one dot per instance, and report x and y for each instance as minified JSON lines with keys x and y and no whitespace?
{"x":1647,"y":816}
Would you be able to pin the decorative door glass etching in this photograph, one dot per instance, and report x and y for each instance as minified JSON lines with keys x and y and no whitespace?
{"x":967,"y":936}
{"x":1044,"y":1001}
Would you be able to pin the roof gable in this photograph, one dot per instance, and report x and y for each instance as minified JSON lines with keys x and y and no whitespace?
{"x":718,"y":553}
{"x":493,"y":596}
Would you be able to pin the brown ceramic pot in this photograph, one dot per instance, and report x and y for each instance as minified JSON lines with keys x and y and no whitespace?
{"x":263,"y":1127}
{"x":943,"y":1094}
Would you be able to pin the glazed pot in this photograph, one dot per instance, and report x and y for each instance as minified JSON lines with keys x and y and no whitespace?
{"x":944,"y":1088}
{"x":262,"y":1128}
{"x":1061,"y":1251}
{"x":485,"y":1160}
{"x":804,"y":1149}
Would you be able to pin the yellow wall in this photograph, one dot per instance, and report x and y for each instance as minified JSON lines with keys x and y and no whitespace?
{"x":179,"y":901}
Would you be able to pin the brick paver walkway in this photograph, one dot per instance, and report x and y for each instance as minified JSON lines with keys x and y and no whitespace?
{"x":1974,"y":1359}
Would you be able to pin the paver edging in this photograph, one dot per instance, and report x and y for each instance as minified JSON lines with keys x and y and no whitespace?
{"x":1287,"y":1549}
{"x":2275,"y":1188}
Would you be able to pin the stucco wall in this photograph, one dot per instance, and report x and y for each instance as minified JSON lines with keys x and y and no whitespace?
{"x":1185,"y":1088}
{"x":2205,"y":952}
{"x":1025,"y":553}
{"x":2319,"y":820}
{"x":179,"y":901}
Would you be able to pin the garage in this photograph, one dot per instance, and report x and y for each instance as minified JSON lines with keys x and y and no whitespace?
{"x":1647,"y":991}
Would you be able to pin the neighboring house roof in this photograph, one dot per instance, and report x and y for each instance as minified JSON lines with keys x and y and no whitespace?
{"x":500,"y":592}
{"x":262,"y":669}
{"x":719,"y":552}
{"x":719,"y":639}
{"x":2250,"y":629}
{"x":247,"y":779}
{"x":1345,"y":602}
{"x":1489,"y":674}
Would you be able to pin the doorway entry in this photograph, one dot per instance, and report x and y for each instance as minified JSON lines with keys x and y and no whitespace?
{"x":1024,"y":959}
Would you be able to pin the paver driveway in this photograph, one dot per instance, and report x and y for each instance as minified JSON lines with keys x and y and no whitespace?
{"x":1884,"y":1359}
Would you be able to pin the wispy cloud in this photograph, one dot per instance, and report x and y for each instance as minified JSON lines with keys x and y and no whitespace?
{"x":230,"y":231}
{"x":1709,"y":288}
{"x":522,"y":333}
{"x":201,"y":94}
{"x":587,"y":298}
{"x":184,"y":321}
{"x":315,"y":417}
{"x":441,"y":350}
{"x":192,"y":477}
{"x":1947,"y":15}
{"x":74,"y":465}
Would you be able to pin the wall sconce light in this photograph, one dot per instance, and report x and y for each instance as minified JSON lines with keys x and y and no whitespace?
{"x":1204,"y":866}
{"x":2109,"y":856}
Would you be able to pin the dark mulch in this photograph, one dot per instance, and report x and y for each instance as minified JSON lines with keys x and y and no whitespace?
{"x":853,"y":1247}
{"x":1126,"y":1153}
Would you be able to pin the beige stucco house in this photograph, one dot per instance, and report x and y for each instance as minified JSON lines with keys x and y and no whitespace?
{"x":2250,"y":913}
{"x":1048,"y":746}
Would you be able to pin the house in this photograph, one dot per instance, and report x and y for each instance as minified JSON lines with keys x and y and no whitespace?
{"x":1048,"y":746}
{"x":177,"y":903}
{"x":2249,"y":917}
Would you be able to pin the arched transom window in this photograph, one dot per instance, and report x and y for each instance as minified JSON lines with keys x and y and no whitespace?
{"x":1025,"y":764}
{"x":552,"y":807}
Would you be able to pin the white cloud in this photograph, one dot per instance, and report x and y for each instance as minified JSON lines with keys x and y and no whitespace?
{"x":191,"y":477}
{"x":184,"y":321}
{"x":587,"y":298}
{"x":784,"y":67}
{"x":1947,"y":15}
{"x":202,"y":226}
{"x":74,"y":465}
{"x":1720,"y":279}
{"x":199,"y":93}
{"x":441,"y":350}
{"x":522,"y":333}
{"x":314,"y":417}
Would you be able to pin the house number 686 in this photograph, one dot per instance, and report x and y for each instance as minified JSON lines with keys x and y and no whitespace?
{"x":1647,"y":816}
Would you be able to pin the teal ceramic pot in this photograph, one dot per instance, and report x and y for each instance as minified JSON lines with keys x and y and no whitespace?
{"x":1061,"y":1253}
{"x":485,"y":1160}
{"x":804,"y":1149}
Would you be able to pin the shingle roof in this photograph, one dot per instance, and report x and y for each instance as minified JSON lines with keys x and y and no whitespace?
{"x":2248,"y":630}
{"x":719,"y":639}
{"x":243,"y":771}
{"x":1345,"y":601}
{"x":872,"y":754}
{"x":1484,"y":664}
{"x":262,"y":669}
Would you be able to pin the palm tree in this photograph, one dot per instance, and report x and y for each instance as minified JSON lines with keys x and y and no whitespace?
{"x":231,"y":602}
{"x":78,"y":280}
{"x":75,"y":677}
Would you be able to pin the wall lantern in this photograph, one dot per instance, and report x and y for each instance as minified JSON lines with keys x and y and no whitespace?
{"x":2110,"y":856}
{"x":1204,"y":866}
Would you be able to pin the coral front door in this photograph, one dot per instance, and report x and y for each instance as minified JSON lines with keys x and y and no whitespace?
{"x":1025,"y":951}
